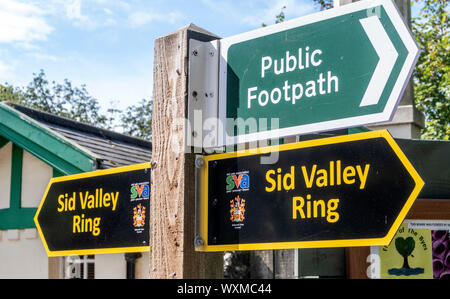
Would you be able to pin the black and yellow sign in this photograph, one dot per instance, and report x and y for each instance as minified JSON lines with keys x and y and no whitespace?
{"x":352,"y":190}
{"x":104,"y":211}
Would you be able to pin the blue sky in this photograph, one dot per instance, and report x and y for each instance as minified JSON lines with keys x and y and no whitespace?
{"x":108,"y":44}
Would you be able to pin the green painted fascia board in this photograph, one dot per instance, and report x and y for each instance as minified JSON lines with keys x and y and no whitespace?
{"x":57,"y":173}
{"x":17,"y":218}
{"x":16,"y":177}
{"x":3,"y":141}
{"x":42,"y":142}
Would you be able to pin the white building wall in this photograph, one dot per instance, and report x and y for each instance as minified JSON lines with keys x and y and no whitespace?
{"x":35,"y":178}
{"x":110,"y":266}
{"x":114,"y":266}
{"x":22,"y":255}
{"x":5,"y":175}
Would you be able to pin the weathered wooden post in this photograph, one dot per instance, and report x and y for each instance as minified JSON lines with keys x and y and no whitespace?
{"x":172,"y":208}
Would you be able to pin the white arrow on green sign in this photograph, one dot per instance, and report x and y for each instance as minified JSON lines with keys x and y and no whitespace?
{"x":340,"y":68}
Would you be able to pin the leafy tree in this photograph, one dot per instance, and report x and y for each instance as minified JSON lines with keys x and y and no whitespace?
{"x":137,"y":121}
{"x":75,"y":103}
{"x":60,"y":99}
{"x":324,"y":4}
{"x":432,"y":71}
{"x":10,"y":93}
{"x":278,"y":18}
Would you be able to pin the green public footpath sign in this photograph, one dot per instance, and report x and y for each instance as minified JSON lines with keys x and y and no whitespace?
{"x":340,"y":68}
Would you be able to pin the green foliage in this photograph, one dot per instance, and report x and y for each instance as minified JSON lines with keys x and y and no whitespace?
{"x":9,"y":93}
{"x":137,"y":121}
{"x":76,"y":103}
{"x":278,"y":18}
{"x":431,"y":74}
{"x":324,"y":4}
{"x":60,"y":99}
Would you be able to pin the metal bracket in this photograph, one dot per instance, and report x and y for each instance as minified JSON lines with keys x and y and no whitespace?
{"x":203,"y":97}
{"x":199,"y":164}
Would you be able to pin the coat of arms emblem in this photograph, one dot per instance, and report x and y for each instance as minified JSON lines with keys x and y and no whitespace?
{"x":237,"y":209}
{"x":138,"y":216}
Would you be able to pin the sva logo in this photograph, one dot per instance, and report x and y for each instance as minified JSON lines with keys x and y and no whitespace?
{"x":238,"y":181}
{"x":140,"y":191}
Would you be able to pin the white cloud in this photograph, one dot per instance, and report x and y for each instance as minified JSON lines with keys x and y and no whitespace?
{"x":22,"y":22}
{"x":94,"y":16}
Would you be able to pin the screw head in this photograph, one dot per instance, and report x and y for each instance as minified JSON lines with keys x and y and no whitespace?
{"x":198,"y":241}
{"x":199,"y":162}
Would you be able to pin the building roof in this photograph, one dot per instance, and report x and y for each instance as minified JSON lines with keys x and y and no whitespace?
{"x":110,"y":149}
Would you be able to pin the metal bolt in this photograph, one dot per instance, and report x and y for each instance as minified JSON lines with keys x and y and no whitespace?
{"x":199,"y":162}
{"x":215,"y":201}
{"x":211,"y":53}
{"x":198,"y":241}
{"x":195,"y":52}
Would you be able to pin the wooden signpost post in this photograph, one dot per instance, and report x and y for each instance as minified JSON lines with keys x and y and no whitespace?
{"x":172,"y":206}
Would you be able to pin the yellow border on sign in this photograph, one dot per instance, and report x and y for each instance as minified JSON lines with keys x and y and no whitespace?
{"x":83,"y":175}
{"x":307,"y":244}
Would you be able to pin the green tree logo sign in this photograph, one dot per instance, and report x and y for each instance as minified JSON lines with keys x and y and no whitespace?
{"x":405,"y":247}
